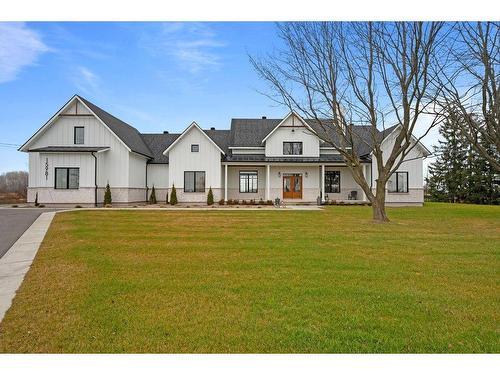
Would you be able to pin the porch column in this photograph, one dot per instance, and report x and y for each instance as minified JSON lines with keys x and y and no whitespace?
{"x":268,"y":183}
{"x":225,"y":182}
{"x":363,"y":194}
{"x":322,"y":183}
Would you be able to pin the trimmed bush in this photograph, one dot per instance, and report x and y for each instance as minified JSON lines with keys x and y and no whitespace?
{"x":166,"y":198}
{"x":152,"y":197}
{"x":173,"y":196}
{"x":107,"y":195}
{"x":252,"y":201}
{"x":269,"y":202}
{"x":210,"y":197}
{"x":221,"y":202}
{"x":261,"y":202}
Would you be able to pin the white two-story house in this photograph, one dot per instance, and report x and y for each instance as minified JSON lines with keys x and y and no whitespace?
{"x":82,"y":148}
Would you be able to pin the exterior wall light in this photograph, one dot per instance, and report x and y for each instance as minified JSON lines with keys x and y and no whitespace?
{"x":307,"y":174}
{"x":279,"y":174}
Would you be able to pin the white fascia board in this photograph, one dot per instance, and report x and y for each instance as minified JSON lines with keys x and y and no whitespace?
{"x":425,"y":150}
{"x":193,"y":124}
{"x":40,"y":131}
{"x":45,"y":126}
{"x":292,"y":113}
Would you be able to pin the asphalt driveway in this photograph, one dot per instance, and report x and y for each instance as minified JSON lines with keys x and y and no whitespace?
{"x":14,"y":222}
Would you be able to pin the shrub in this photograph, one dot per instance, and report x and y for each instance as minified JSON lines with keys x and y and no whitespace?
{"x":210,"y":197}
{"x":244,"y":202}
{"x":41,"y":205}
{"x":221,"y":202}
{"x":152,"y":197}
{"x":107,"y":195}
{"x":261,"y":202}
{"x":78,"y":206}
{"x":173,"y":196}
{"x":269,"y":202}
{"x":14,"y":205}
{"x":252,"y":201}
{"x":36,"y":199}
{"x":166,"y":198}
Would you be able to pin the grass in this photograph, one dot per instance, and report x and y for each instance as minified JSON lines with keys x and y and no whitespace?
{"x":263,"y":281}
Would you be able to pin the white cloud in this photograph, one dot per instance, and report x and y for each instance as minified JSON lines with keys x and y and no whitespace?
{"x":86,"y":81}
{"x":20,"y":47}
{"x":192,"y":45}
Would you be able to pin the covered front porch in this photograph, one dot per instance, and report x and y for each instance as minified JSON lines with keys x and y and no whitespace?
{"x":292,"y":183}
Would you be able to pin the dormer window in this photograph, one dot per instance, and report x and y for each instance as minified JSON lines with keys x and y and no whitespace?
{"x":195,"y":148}
{"x":79,"y":135}
{"x":292,"y":148}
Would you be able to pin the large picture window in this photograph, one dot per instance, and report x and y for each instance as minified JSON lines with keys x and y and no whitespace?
{"x":292,"y":148}
{"x":248,"y":181}
{"x":398,"y":183}
{"x":67,"y":178}
{"x":194,"y":182}
{"x":79,"y":135}
{"x":332,"y":182}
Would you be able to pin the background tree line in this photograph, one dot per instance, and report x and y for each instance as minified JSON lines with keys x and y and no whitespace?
{"x":461,"y":173}
{"x":14,"y":182}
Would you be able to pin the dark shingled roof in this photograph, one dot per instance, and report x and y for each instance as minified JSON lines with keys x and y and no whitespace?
{"x":128,"y":134}
{"x":158,"y":143}
{"x":243,"y":133}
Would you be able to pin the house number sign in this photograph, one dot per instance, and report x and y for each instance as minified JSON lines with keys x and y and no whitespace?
{"x":46,"y":168}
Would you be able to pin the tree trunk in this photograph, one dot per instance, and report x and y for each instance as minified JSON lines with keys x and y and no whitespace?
{"x":378,"y":204}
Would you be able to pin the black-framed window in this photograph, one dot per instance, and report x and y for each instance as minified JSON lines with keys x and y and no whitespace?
{"x":332,"y":182}
{"x":195,"y":148}
{"x":248,"y":181}
{"x":194,"y":182}
{"x":292,"y":148}
{"x":398,"y":183}
{"x":67,"y":178}
{"x":79,"y":135}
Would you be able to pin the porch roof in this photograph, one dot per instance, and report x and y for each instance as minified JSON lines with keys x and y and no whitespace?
{"x":336,"y":158}
{"x":69,"y":149}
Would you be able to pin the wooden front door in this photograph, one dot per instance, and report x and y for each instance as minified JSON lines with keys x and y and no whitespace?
{"x":292,"y":186}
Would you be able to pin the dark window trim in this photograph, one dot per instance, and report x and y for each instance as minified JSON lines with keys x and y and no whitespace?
{"x":397,"y":183}
{"x":67,"y":178}
{"x":74,"y":134}
{"x":195,"y":191}
{"x":239,"y":182}
{"x":326,"y":186}
{"x":292,"y":143}
{"x":197,"y":145}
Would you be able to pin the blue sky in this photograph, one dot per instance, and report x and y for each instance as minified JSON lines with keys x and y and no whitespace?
{"x":155,"y":76}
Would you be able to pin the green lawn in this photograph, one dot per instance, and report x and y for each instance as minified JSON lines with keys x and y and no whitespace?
{"x":263,"y":281}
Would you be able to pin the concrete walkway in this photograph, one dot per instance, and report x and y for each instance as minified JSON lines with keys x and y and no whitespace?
{"x":16,"y":262}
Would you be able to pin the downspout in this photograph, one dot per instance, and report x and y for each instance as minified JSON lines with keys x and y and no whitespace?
{"x":95,"y":178}
{"x":147,"y":162}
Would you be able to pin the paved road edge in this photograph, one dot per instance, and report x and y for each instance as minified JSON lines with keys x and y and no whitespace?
{"x":18,"y":259}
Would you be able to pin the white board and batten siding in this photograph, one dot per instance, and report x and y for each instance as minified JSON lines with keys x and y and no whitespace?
{"x":297,"y":133}
{"x":208,"y":159}
{"x":413,"y":164}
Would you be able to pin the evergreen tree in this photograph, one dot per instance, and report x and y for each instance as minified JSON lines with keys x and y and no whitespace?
{"x":173,"y":196}
{"x":210,"y":197}
{"x":460,"y":173}
{"x":152,"y":197}
{"x":448,"y":174}
{"x":107,"y":195}
{"x":36,"y":199}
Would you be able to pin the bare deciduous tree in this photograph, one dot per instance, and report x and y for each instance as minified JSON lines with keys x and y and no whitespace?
{"x":375,"y":74}
{"x":470,"y":84}
{"x":14,"y":182}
